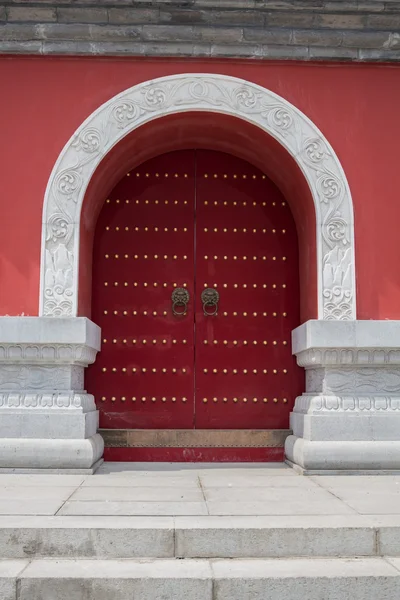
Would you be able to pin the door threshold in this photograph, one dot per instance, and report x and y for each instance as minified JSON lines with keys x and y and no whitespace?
{"x":195,"y":445}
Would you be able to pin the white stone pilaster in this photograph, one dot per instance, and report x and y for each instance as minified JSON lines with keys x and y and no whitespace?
{"x":47,"y":420}
{"x":349,"y":416}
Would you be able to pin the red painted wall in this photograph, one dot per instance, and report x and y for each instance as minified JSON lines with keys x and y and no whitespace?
{"x":44,"y":100}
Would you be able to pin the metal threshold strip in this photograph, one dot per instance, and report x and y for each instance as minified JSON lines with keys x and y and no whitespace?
{"x":194,"y":438}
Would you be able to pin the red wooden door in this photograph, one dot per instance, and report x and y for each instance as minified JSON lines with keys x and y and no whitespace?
{"x":195,"y":220}
{"x":143,"y":250}
{"x":246,"y":249}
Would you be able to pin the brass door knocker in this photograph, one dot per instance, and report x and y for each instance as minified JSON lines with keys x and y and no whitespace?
{"x":180,"y":299}
{"x":210,"y":299}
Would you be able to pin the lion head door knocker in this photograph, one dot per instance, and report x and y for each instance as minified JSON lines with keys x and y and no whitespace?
{"x":180,"y":299}
{"x":210,"y":299}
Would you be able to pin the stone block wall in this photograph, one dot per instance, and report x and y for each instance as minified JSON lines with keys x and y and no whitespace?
{"x":355,"y":30}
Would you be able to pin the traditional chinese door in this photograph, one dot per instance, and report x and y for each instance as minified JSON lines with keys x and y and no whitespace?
{"x":195,"y":287}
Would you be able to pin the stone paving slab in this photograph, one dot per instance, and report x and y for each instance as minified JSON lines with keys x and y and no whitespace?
{"x":39,"y":480}
{"x":133,"y":508}
{"x":9,"y":571}
{"x":371,"y":501}
{"x":315,"y":579}
{"x":147,"y":580}
{"x":178,"y":489}
{"x":193,"y":536}
{"x":259,"y":536}
{"x":54,"y":492}
{"x":237,"y":579}
{"x":274,"y":501}
{"x":179,"y":493}
{"x":30,"y":507}
{"x":188,"y":480}
{"x":250,"y":480}
{"x":87,"y":537}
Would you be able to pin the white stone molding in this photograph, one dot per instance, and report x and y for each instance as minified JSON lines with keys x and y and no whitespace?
{"x":349,"y":416}
{"x":44,"y":407}
{"x":245,"y":100}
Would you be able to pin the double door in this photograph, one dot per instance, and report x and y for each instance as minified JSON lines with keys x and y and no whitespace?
{"x":195,"y":287}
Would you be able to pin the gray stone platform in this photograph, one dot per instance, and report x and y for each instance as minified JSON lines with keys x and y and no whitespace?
{"x":199,"y":531}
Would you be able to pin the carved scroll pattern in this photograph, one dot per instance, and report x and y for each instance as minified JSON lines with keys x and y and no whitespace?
{"x":199,"y":92}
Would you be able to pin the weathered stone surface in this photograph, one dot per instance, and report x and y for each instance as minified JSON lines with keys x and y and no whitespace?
{"x":131,"y":15}
{"x":82,"y":15}
{"x":31,"y":13}
{"x":268,"y":36}
{"x":359,"y":30}
{"x":319,"y":37}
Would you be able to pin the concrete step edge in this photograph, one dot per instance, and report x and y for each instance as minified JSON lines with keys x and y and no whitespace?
{"x":292,"y":579}
{"x":197,"y":537}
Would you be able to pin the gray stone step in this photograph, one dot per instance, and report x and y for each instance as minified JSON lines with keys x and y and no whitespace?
{"x":199,"y":536}
{"x":172,"y":579}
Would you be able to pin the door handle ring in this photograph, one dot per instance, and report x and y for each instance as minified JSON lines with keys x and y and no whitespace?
{"x":180,"y":298}
{"x":210,"y":299}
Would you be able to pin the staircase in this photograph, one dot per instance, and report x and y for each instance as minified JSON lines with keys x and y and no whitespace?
{"x":335,"y":554}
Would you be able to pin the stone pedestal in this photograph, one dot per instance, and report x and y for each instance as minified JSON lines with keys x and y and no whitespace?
{"x":349,"y":417}
{"x":47,"y":420}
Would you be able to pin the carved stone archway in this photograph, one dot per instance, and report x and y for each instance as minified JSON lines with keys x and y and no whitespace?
{"x":198,"y":92}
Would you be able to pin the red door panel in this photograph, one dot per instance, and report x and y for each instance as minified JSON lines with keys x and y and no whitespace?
{"x":246,"y":249}
{"x":195,"y":220}
{"x":143,"y":249}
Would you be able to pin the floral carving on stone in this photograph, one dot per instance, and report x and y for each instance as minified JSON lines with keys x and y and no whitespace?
{"x":198,"y":92}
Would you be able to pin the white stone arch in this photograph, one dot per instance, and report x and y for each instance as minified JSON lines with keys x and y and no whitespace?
{"x":149,"y":100}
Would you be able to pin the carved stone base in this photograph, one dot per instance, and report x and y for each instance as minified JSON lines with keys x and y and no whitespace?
{"x":51,"y":454}
{"x":349,"y":417}
{"x":323,"y":456}
{"x":47,"y":420}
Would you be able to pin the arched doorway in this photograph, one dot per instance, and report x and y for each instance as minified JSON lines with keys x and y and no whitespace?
{"x":205,"y":111}
{"x":196,"y":289}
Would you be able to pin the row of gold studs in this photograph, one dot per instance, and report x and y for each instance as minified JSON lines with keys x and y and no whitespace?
{"x":127,"y":201}
{"x":146,"y":256}
{"x":145,"y":284}
{"x":185,"y":229}
{"x":215,"y":342}
{"x":146,"y":229}
{"x":205,"y":203}
{"x":206,"y":285}
{"x":144,"y":370}
{"x":205,"y":400}
{"x":215,"y":257}
{"x":275,"y":400}
{"x":238,"y":203}
{"x":239,"y":230}
{"x":184,"y":257}
{"x":205,"y":175}
{"x":164,"y":313}
{"x":244,"y":371}
{"x":234,"y":176}
{"x":175,"y":371}
{"x":238,"y":285}
{"x":245,"y":342}
{"x":144,"y":342}
{"x":143,"y":399}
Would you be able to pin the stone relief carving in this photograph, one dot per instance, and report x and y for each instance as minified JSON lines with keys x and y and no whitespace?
{"x":19,"y":377}
{"x":57,"y":353}
{"x":348,"y":356}
{"x":353,"y":381}
{"x":358,"y":404}
{"x":217,"y":93}
{"x":57,"y":400}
